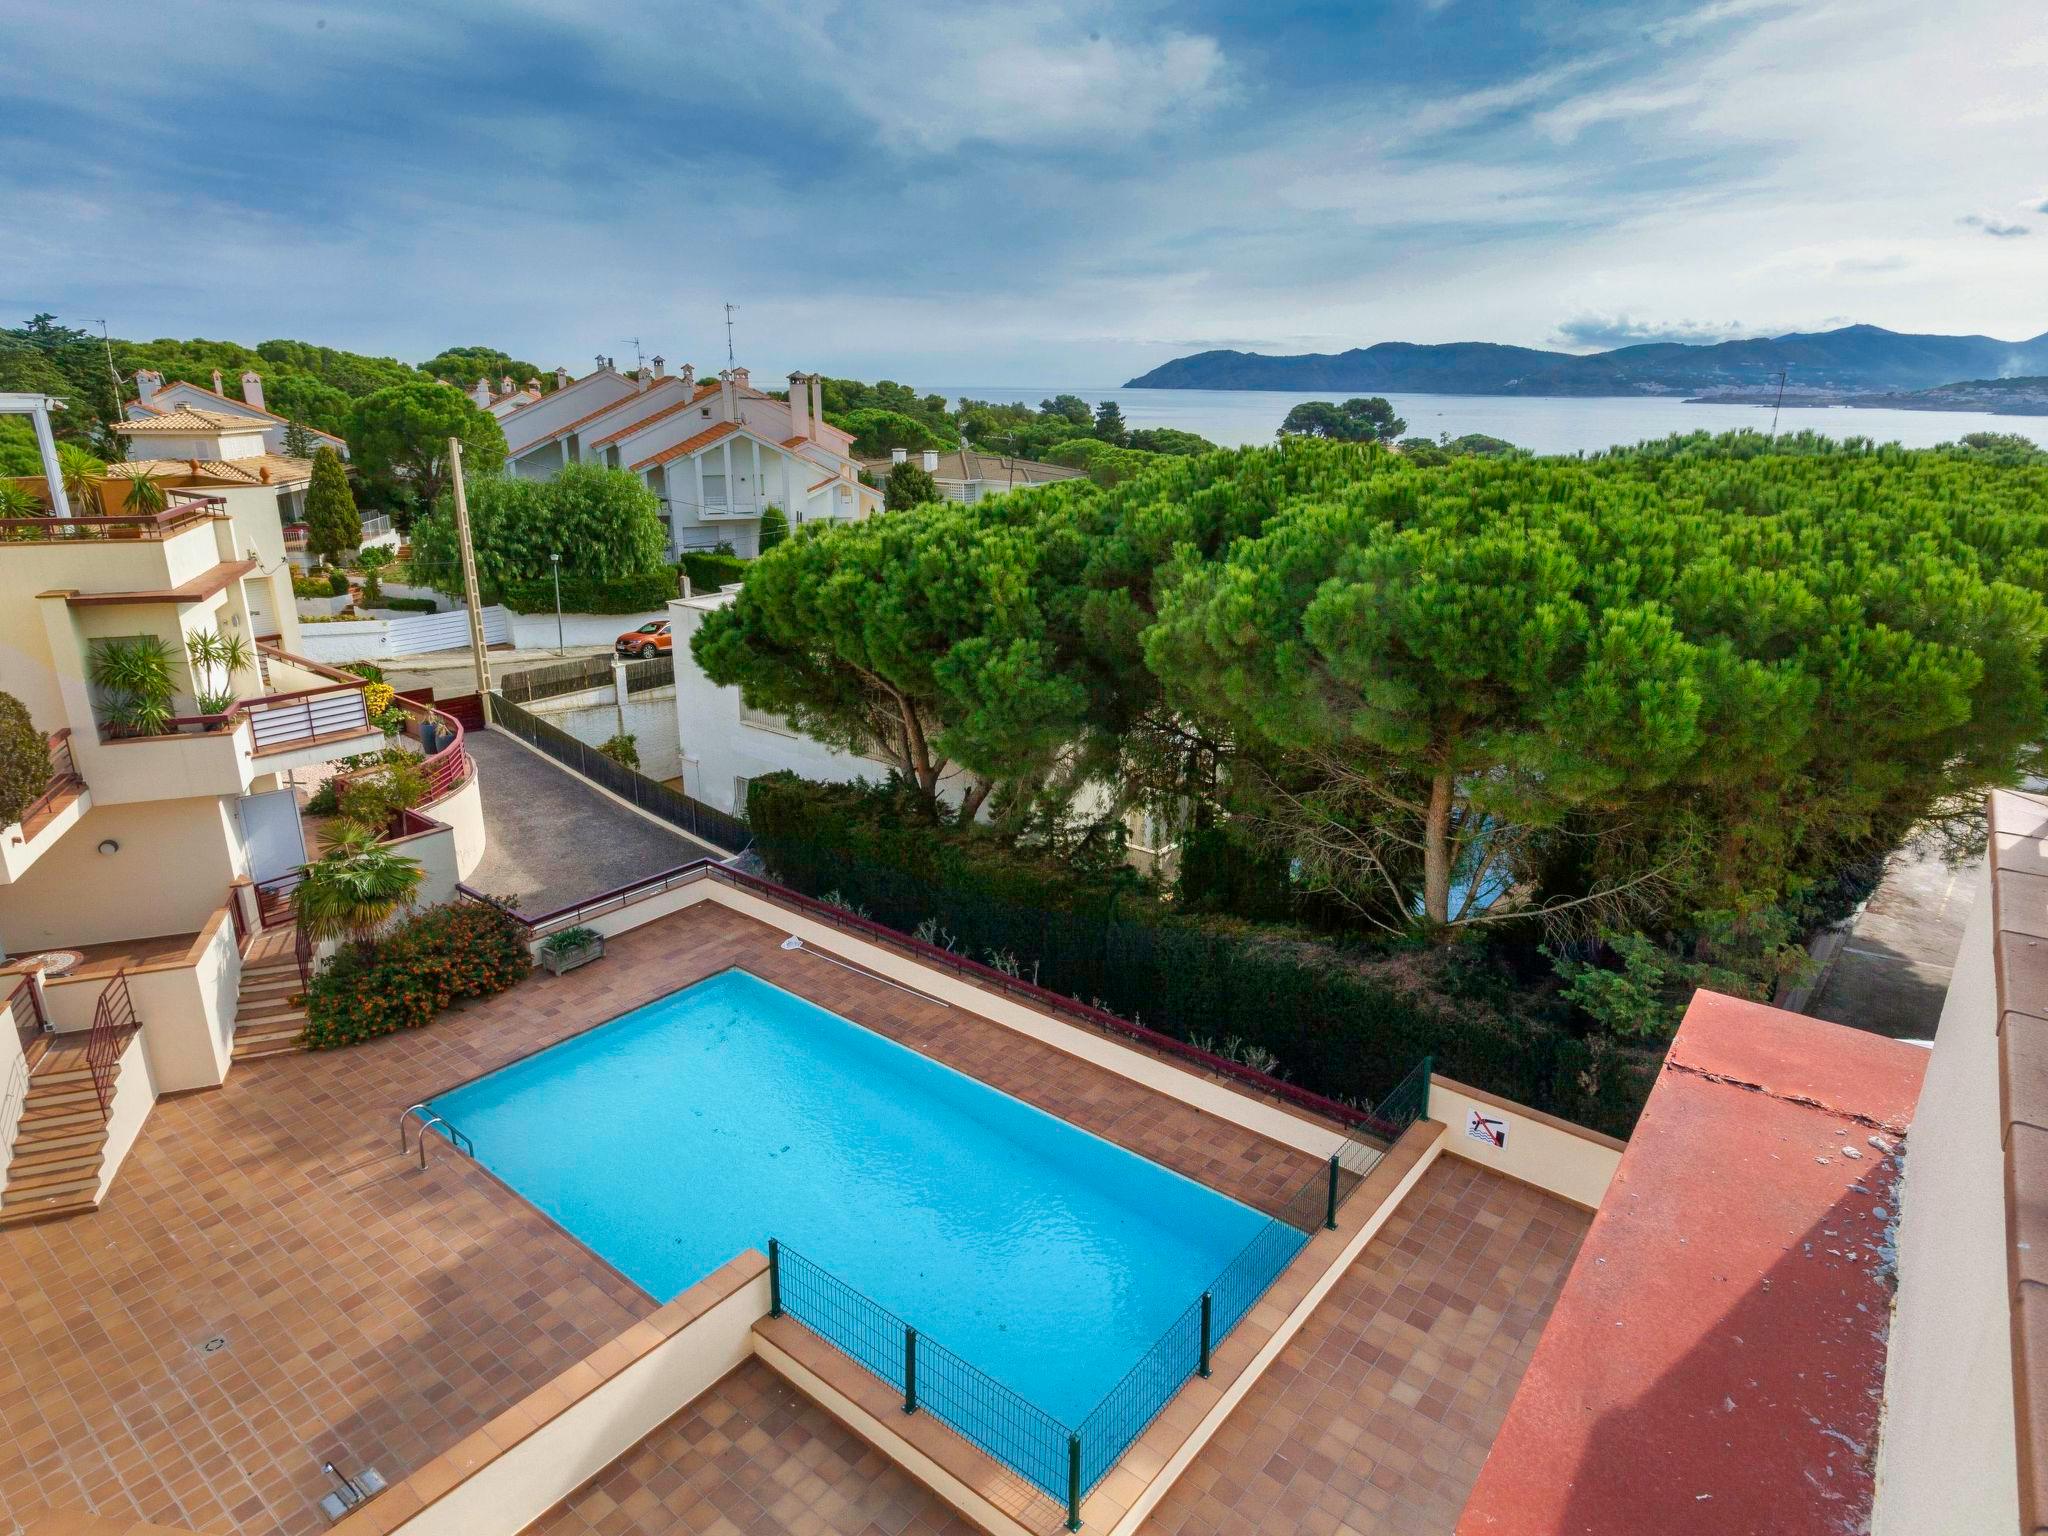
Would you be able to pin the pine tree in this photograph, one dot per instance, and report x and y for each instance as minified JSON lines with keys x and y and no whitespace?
{"x":333,"y":527}
{"x":298,"y":442}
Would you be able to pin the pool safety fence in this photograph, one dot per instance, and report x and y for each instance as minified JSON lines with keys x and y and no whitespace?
{"x":706,"y":823}
{"x":1067,"y":1461}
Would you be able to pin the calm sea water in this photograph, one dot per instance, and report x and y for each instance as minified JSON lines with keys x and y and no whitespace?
{"x":1543,"y":425}
{"x":673,"y":1138}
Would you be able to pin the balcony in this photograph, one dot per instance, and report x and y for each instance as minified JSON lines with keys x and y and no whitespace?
{"x":275,"y":731}
{"x":183,"y":509}
{"x":53,"y":813}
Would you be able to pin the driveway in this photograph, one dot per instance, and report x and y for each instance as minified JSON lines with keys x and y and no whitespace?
{"x":555,"y":840}
{"x":1892,"y":972}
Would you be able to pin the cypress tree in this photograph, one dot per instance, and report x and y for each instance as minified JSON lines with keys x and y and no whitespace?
{"x":332,"y":525}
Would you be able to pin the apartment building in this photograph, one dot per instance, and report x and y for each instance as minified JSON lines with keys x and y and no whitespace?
{"x":717,"y":454}
{"x":154,"y":398}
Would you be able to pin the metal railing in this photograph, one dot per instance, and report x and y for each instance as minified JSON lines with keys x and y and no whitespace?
{"x":186,"y":509}
{"x":444,"y":760}
{"x":655,"y":672}
{"x":281,"y":719}
{"x":1068,"y":1461}
{"x":65,"y":782}
{"x":703,"y":822}
{"x":25,"y":1010}
{"x":556,"y":678}
{"x":113,"y":1021}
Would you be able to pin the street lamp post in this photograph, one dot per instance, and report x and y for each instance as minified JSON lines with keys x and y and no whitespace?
{"x":555,"y":560}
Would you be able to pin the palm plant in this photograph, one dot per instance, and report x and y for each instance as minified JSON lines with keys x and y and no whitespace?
{"x":145,"y":497}
{"x":354,"y":888}
{"x":209,"y":652}
{"x":136,"y":683}
{"x":18,"y":501}
{"x":80,"y":472}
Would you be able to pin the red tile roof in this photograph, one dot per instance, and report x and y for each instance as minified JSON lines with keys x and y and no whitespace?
{"x":649,"y":420}
{"x":704,"y":439}
{"x":240,"y":405}
{"x":1716,"y":1361}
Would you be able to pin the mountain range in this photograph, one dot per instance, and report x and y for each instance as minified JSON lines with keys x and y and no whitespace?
{"x":1853,"y":359}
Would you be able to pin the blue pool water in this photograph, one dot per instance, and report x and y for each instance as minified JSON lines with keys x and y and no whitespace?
{"x":733,"y":1111}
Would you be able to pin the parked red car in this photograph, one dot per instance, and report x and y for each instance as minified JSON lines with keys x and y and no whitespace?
{"x":650,"y":639}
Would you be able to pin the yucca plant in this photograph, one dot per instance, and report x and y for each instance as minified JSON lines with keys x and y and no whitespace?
{"x":136,"y":683}
{"x":144,"y":496}
{"x":19,"y":501}
{"x":209,"y":652}
{"x":80,"y":472}
{"x":354,"y":888}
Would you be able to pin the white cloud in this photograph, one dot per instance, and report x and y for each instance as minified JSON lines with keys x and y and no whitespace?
{"x":1572,"y":118}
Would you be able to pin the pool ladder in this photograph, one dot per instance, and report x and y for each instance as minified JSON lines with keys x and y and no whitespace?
{"x":428,"y":1121}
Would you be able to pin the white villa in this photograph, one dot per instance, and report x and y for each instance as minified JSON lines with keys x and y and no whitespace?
{"x":716,"y":454}
{"x":965,"y":475}
{"x":506,"y":397}
{"x":154,"y":398}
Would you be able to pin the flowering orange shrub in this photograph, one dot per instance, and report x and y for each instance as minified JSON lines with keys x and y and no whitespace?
{"x":426,"y":964}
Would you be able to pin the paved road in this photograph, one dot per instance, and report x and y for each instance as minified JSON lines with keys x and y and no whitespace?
{"x":555,"y":840}
{"x":1893,"y":970}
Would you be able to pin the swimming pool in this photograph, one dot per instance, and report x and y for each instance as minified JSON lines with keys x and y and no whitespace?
{"x":733,"y":1111}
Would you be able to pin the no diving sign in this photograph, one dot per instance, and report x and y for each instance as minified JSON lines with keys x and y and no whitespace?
{"x":1491,"y":1129}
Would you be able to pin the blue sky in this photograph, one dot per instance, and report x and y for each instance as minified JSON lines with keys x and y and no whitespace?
{"x":1024,"y":193}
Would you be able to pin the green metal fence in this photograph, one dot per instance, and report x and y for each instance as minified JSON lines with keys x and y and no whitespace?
{"x":1068,"y":1461}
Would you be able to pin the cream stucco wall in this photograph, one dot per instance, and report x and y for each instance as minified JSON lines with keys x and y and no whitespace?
{"x":135,"y":1094}
{"x":171,"y":872}
{"x":1946,"y":1456}
{"x":1552,"y":1154}
{"x":188,"y":1012}
{"x":13,"y":1084}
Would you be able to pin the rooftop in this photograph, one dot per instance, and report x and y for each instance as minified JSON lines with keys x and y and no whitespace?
{"x":966,"y":464}
{"x":1716,"y":1362}
{"x":185,"y":420}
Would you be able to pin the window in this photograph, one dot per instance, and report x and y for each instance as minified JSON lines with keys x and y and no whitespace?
{"x":739,"y":794}
{"x":714,"y":489}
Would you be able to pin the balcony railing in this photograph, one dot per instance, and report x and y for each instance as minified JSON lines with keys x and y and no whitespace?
{"x":64,"y":786}
{"x":280,"y":720}
{"x":186,"y":509}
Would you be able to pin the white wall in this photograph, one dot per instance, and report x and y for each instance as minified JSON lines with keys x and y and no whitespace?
{"x":536,"y":631}
{"x":135,"y":1094}
{"x":592,"y":715}
{"x":1947,"y":1462}
{"x":13,"y":1083}
{"x":188,"y":1012}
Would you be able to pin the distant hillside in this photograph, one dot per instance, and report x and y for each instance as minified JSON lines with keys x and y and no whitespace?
{"x":2009,"y":397}
{"x":1856,"y":358}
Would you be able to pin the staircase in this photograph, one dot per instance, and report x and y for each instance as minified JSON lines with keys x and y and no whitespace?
{"x":55,"y":1170}
{"x":267,"y":1020}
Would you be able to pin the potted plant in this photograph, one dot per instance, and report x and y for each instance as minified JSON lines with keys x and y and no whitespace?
{"x":570,"y":948}
{"x":136,"y":684}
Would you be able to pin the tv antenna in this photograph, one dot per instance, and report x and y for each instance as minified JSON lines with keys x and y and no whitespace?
{"x":1781,"y":403}
{"x":639,"y":357}
{"x":730,"y":311}
{"x":107,"y":342}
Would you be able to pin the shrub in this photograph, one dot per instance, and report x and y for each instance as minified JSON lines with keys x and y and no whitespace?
{"x":425,"y":965}
{"x":1347,"y":1023}
{"x":709,"y":572}
{"x":645,"y":593}
{"x":24,"y":759}
{"x":337,"y":583}
{"x":622,"y":749}
{"x":375,"y":799}
{"x":367,"y":670}
{"x":406,"y":604}
{"x":311,"y":586}
{"x":774,"y":528}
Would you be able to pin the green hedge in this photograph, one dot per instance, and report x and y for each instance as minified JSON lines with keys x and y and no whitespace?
{"x":406,"y":604}
{"x":648,"y":593}
{"x":708,"y":572}
{"x":1345,"y":1024}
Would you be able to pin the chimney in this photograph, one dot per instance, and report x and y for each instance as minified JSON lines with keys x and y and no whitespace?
{"x":645,"y":376}
{"x":505,"y":385}
{"x":660,"y":366}
{"x":533,"y":385}
{"x":817,"y":404}
{"x":931,"y":461}
{"x":481,"y":394}
{"x":898,"y":455}
{"x":727,"y":406}
{"x":799,"y":406}
{"x":689,"y":376}
{"x":252,"y":387}
{"x":561,"y":378}
{"x":147,"y":382}
{"x":740,"y":380}
{"x":216,"y":381}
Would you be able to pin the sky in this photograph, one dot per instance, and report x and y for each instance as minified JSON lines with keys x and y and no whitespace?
{"x":1033,"y":192}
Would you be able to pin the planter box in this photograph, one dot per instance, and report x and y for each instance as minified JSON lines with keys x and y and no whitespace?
{"x":558,"y":961}
{"x":320,"y":607}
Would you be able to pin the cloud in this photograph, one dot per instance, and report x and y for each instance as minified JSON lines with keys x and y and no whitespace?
{"x":1600,"y":332}
{"x":1707,"y":17}
{"x":1997,"y":228}
{"x":1567,"y":121}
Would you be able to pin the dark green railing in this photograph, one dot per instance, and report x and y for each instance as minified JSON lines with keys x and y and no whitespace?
{"x":1068,"y":1461}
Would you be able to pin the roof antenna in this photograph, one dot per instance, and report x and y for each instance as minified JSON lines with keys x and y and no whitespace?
{"x":639,"y":357}
{"x":107,"y":342}
{"x":730,"y":311}
{"x":1781,"y":403}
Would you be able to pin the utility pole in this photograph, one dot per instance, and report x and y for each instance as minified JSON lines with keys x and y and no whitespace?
{"x":730,"y":311}
{"x":555,"y":559}
{"x":1780,"y":405}
{"x":469,"y":588}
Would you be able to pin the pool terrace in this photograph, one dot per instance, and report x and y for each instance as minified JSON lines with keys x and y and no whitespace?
{"x":270,"y":1286}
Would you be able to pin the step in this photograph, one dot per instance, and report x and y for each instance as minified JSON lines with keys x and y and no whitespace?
{"x":60,"y":1181}
{"x":246,"y":1024}
{"x":256,"y":1034}
{"x":41,"y":1106}
{"x":50,"y":1210}
{"x":35,"y":1141}
{"x":59,"y":1077}
{"x":282,"y":982}
{"x":256,"y":1051}
{"x":67,"y":1117}
{"x":35,"y":1160}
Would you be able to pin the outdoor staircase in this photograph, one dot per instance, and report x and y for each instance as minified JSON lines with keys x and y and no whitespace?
{"x":55,"y":1170}
{"x":267,"y":1020}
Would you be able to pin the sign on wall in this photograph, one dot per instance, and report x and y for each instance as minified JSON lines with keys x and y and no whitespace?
{"x":1491,"y":1129}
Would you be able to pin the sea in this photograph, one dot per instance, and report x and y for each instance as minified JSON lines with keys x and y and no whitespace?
{"x":1541,"y":424}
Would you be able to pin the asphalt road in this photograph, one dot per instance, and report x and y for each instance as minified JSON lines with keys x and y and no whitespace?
{"x":553,"y":839}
